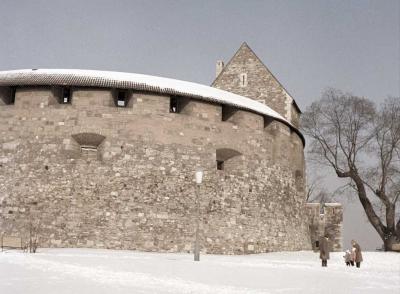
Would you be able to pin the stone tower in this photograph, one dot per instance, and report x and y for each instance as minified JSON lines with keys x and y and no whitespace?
{"x":245,"y":74}
{"x":107,"y":160}
{"x":326,"y":220}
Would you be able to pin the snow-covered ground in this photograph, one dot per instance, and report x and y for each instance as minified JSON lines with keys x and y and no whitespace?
{"x":108,"y":271}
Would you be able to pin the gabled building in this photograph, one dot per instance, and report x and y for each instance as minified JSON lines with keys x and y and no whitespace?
{"x":245,"y":74}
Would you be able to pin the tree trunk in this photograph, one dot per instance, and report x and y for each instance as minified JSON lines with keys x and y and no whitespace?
{"x":390,"y":216}
{"x":388,"y":243}
{"x":368,"y":208}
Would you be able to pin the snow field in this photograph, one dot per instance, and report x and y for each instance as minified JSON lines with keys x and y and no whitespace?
{"x":111,"y":271}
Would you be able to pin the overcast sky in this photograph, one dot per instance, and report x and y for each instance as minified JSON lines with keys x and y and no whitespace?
{"x":308,"y":45}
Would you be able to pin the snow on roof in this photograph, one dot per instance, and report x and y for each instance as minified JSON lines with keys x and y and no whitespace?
{"x":94,"y":78}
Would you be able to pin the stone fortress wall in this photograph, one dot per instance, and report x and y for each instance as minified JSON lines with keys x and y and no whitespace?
{"x":102,"y":176}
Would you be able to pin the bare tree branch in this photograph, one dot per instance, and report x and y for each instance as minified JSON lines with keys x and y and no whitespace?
{"x":362,"y":144}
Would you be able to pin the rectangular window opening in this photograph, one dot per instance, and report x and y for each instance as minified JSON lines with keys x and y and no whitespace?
{"x":267,"y":121}
{"x":121,"y":102}
{"x":316,"y":244}
{"x":89,"y":148}
{"x":220,"y":165}
{"x":13,"y":92}
{"x":243,"y":79}
{"x":227,"y":112}
{"x":174,"y":105}
{"x":66,"y":95}
{"x":89,"y":152}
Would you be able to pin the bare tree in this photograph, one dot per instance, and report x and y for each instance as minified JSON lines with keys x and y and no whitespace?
{"x":316,"y":192}
{"x":361,"y":144}
{"x":34,"y":234}
{"x":33,"y":228}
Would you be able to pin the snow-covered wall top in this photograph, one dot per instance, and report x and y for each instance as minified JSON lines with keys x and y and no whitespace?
{"x":93,"y":78}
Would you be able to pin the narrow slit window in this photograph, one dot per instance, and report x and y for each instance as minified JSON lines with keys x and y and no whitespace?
{"x":12,"y":98}
{"x":220,"y":165}
{"x":243,"y":80}
{"x":121,"y":102}
{"x":174,"y":104}
{"x":66,"y":95}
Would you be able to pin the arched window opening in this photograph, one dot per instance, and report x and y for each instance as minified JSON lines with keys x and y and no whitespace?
{"x":89,"y":144}
{"x":224,"y":155}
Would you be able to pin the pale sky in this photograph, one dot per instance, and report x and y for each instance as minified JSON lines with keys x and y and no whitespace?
{"x":308,"y":45}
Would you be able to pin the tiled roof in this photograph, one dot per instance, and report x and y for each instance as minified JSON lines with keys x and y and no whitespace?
{"x":107,"y":79}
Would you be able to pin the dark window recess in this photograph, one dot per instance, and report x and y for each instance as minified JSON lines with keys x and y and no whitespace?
{"x":220,"y":165}
{"x":66,"y":95}
{"x":227,"y":112}
{"x":121,"y":101}
{"x":174,"y":105}
{"x":316,"y":244}
{"x":267,"y":121}
{"x":12,"y":98}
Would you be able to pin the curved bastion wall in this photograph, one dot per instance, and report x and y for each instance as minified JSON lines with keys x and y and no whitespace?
{"x":88,"y":173}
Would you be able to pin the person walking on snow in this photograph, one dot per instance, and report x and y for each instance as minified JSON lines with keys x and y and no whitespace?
{"x":324,"y":250}
{"x":347,"y":257}
{"x":353,"y":256}
{"x":357,"y":251}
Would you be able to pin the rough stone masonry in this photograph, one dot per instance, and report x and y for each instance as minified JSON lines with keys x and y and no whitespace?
{"x":87,"y":172}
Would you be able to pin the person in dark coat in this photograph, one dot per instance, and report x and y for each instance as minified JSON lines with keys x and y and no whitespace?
{"x":357,"y":250}
{"x":324,"y":250}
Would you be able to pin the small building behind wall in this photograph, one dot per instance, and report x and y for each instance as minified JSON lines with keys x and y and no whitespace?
{"x":326,"y":219}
